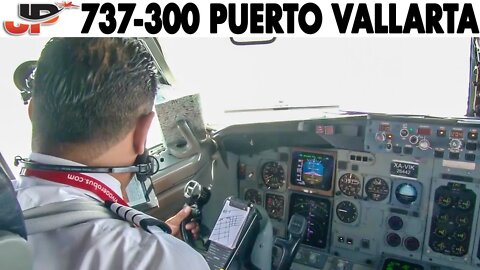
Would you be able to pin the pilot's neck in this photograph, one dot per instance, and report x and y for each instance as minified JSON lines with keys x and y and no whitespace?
{"x":116,"y":156}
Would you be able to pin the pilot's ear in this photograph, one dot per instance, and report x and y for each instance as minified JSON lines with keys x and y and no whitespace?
{"x":30,"y":109}
{"x":141,"y":132}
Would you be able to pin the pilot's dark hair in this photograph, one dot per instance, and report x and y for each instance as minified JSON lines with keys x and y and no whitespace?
{"x":91,"y":90}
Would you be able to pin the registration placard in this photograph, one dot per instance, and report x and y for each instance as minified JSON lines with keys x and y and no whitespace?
{"x":404,"y":169}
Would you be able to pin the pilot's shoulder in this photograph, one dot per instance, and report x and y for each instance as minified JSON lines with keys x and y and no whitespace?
{"x":143,"y":250}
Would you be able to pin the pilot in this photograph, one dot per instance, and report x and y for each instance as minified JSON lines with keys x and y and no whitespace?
{"x":92,"y":105}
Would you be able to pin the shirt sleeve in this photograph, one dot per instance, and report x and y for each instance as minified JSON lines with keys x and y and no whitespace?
{"x":133,"y":248}
{"x":168,"y":252}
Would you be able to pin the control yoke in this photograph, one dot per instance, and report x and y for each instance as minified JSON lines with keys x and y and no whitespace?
{"x":196,"y":197}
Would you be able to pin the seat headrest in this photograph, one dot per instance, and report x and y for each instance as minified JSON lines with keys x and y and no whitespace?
{"x":11,"y":216}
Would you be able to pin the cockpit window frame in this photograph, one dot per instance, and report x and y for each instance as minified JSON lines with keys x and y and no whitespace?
{"x":166,"y":75}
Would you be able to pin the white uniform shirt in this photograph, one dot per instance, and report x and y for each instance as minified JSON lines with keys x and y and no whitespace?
{"x":101,"y":243}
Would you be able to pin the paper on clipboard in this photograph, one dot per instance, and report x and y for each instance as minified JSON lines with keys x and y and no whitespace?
{"x":229,"y":225}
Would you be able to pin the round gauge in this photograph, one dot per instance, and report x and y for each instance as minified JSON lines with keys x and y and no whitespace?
{"x":443,"y":218}
{"x":464,"y":204}
{"x":439,"y":246}
{"x":347,"y":212}
{"x":411,"y":243}
{"x":406,"y":193}
{"x":460,"y":235}
{"x":253,"y":196}
{"x":377,"y":189}
{"x":349,"y":184}
{"x":441,"y":232}
{"x":462,"y":220}
{"x":458,"y":250}
{"x":274,"y":205}
{"x":444,"y":201}
{"x":273,"y":175}
{"x":395,"y":223}
{"x":394,"y":240}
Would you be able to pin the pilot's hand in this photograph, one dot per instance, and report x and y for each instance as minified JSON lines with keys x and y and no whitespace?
{"x":176,"y":221}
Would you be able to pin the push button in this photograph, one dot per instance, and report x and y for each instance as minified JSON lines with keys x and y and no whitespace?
{"x":439,"y":153}
{"x":342,"y":165}
{"x":397,"y":149}
{"x":471,"y":146}
{"x":454,"y":155}
{"x":408,"y":150}
{"x":470,"y":157}
{"x":365,"y":243}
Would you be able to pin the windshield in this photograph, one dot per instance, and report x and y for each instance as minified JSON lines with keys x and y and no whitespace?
{"x":394,"y":75}
{"x":428,"y":76}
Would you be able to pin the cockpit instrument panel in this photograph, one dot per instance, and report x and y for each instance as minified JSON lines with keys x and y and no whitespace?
{"x":317,"y":212}
{"x":313,"y":170}
{"x":390,"y":192}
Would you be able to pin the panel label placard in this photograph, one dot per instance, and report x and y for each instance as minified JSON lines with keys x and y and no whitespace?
{"x":404,"y":169}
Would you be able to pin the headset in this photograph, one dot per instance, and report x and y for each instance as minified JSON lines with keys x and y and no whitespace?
{"x":144,"y":167}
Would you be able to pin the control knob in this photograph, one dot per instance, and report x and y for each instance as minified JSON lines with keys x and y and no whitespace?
{"x":455,"y":144}
{"x":424,"y":144}
{"x":413,"y":139}
{"x":380,"y":137}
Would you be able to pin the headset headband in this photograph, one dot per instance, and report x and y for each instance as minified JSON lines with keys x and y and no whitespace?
{"x":143,"y":168}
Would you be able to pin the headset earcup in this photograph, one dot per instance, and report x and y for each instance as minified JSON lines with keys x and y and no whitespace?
{"x":142,"y":159}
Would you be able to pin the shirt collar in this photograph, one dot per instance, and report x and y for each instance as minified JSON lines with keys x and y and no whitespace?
{"x":105,"y":178}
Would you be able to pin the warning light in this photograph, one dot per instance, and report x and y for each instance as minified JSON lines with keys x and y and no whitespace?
{"x":472,"y":135}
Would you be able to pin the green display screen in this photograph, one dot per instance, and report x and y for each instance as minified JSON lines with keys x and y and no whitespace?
{"x":392,"y":264}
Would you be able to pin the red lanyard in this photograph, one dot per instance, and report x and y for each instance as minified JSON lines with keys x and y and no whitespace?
{"x":78,"y":180}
